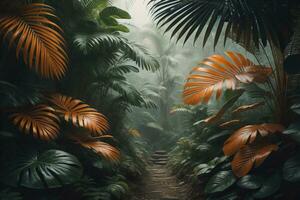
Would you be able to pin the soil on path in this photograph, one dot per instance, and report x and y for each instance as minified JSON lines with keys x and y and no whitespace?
{"x":159,"y":184}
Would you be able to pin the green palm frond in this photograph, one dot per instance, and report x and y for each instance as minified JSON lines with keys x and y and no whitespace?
{"x":140,"y":56}
{"x":87,"y":43}
{"x":247,"y":21}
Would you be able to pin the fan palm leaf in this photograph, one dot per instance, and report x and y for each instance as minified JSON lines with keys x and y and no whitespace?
{"x":79,"y":113}
{"x":249,"y":156}
{"x":247,"y":135}
{"x":39,"y":120}
{"x":250,"y":22}
{"x":38,"y":38}
{"x":217,"y":71}
{"x":102,"y":148}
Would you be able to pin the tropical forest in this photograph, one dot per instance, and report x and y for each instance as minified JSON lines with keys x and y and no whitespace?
{"x":149,"y":99}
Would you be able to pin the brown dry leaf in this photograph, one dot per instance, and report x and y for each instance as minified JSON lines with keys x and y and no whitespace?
{"x":38,"y":38}
{"x":79,"y":113}
{"x":250,"y":155}
{"x":247,"y":107}
{"x":247,"y":135}
{"x":230,"y":123}
{"x":101,"y":148}
{"x":39,"y":120}
{"x":218,"y":71}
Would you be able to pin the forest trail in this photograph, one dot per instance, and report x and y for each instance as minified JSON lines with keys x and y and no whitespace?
{"x":159,"y":184}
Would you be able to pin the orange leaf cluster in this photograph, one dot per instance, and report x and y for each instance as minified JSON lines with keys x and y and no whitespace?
{"x":218,"y":71}
{"x":37,"y":38}
{"x":247,"y":150}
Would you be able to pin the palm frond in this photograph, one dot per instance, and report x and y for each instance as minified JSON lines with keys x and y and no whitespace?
{"x":37,"y":38}
{"x":250,"y":22}
{"x":102,"y":148}
{"x":79,"y":113}
{"x":217,"y":71}
{"x":87,"y":43}
{"x":140,"y":56}
{"x":249,"y":156}
{"x":40,"y":120}
{"x":247,"y":135}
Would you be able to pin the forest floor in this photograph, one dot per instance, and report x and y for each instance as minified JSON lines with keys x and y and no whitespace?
{"x":159,"y":184}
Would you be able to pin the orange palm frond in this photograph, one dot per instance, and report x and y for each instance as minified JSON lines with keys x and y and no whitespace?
{"x":247,"y":135}
{"x":79,"y":113}
{"x":250,"y":155}
{"x":101,"y":148}
{"x":38,"y":38}
{"x":40,"y":120}
{"x":218,"y":71}
{"x":229,"y":123}
{"x":247,"y":107}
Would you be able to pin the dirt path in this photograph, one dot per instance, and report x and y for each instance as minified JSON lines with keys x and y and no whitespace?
{"x":160,"y":184}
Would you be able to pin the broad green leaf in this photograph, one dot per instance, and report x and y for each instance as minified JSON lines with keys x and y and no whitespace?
{"x":49,"y":169}
{"x":291,"y":169}
{"x":220,"y":182}
{"x":269,"y":187}
{"x":250,"y":182}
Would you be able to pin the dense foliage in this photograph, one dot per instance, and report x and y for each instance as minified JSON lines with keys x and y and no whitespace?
{"x":65,"y":96}
{"x":242,"y":142}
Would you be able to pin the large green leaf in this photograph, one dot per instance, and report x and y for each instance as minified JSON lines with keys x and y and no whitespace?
{"x":293,"y":131}
{"x":220,"y":182}
{"x":250,"y":182}
{"x":49,"y":169}
{"x":270,"y":186}
{"x":206,"y":168}
{"x":291,"y":169}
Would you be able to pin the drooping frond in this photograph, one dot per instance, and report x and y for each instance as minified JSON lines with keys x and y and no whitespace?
{"x":102,"y":148}
{"x":41,"y":121}
{"x":38,"y":38}
{"x":248,"y":107}
{"x":230,"y":123}
{"x":249,"y":21}
{"x":249,"y":156}
{"x":79,"y":113}
{"x":217,"y":71}
{"x":225,"y":107}
{"x":140,"y":56}
{"x":247,"y":135}
{"x":87,"y":43}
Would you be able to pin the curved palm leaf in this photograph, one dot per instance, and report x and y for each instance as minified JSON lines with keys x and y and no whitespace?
{"x":225,"y":107}
{"x":247,"y":135}
{"x":49,"y":169}
{"x":37,"y":38}
{"x":140,"y":56}
{"x":90,"y":42}
{"x":247,"y":107}
{"x":102,"y":148}
{"x":230,"y":123}
{"x":246,"y":21}
{"x":39,"y":120}
{"x":217,"y":71}
{"x":79,"y":114}
{"x":250,"y":155}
